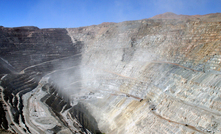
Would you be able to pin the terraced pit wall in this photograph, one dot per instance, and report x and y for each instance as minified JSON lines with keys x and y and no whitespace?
{"x":158,"y":75}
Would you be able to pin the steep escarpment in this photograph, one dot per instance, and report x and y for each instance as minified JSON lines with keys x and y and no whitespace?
{"x":154,"y":75}
{"x":157,"y":75}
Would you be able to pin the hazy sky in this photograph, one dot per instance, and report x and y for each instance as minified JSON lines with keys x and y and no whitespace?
{"x":76,"y":13}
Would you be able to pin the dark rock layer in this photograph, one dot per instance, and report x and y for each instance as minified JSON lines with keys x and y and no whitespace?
{"x":25,"y":46}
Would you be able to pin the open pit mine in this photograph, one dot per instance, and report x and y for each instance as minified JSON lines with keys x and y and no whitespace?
{"x":160,"y":75}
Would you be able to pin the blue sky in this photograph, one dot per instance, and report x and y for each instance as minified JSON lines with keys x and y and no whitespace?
{"x":76,"y":13}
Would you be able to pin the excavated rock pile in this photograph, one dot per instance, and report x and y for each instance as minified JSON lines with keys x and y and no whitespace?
{"x":157,"y":75}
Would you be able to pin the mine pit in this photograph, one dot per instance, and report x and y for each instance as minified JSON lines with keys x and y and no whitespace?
{"x":156,"y":75}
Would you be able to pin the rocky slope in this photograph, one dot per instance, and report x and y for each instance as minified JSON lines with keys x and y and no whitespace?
{"x":157,"y":75}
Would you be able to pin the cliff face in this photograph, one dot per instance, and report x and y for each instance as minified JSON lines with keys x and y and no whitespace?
{"x":157,"y":75}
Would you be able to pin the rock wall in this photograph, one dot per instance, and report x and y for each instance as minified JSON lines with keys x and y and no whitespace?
{"x":157,"y":75}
